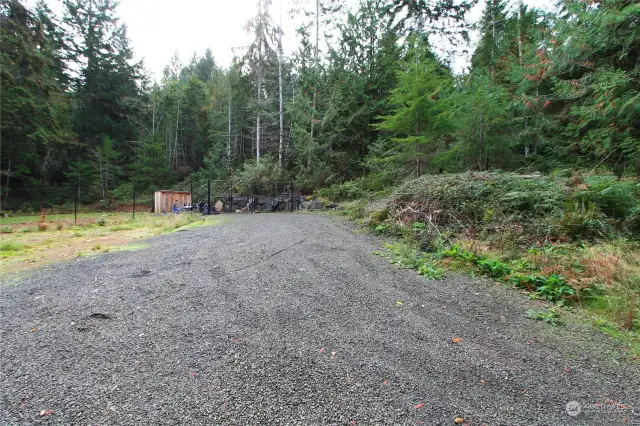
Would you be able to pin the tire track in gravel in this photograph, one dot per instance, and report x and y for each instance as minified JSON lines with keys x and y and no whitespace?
{"x":289,"y":319}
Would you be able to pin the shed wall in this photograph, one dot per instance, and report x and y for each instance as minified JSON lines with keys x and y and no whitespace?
{"x":163,"y":201}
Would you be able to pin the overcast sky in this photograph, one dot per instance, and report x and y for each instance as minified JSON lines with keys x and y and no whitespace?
{"x":158,"y":28}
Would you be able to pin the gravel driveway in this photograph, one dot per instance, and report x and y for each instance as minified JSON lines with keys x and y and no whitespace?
{"x":290,"y":319}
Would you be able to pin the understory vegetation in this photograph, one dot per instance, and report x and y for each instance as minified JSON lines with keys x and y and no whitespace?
{"x":569,"y":239}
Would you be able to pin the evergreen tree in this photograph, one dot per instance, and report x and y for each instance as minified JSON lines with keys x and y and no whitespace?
{"x":492,"y":41}
{"x":421,"y":110}
{"x":595,"y":61}
{"x":105,"y":76}
{"x":261,"y":59}
{"x":34,"y":121}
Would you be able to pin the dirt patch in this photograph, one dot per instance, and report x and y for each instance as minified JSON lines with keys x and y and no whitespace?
{"x":51,"y":224}
{"x":26,"y":247}
{"x":64,"y":245}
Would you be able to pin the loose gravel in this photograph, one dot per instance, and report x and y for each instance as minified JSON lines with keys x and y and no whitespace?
{"x":290,"y":319}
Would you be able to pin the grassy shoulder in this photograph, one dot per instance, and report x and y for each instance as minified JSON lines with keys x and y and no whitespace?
{"x":27,"y":242}
{"x":577,"y":261}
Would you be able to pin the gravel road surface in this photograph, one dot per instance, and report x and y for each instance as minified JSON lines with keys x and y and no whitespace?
{"x":290,"y":319}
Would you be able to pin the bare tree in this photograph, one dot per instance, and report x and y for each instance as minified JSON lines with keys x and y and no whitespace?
{"x":281,"y":111}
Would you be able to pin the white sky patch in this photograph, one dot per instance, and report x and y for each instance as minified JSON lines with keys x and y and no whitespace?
{"x":159,"y":28}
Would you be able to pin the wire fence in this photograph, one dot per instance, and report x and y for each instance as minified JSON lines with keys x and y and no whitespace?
{"x":213,"y":197}
{"x":223,"y":196}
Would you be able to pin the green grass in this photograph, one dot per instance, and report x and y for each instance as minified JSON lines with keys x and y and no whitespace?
{"x":629,"y":339}
{"x":406,"y":256}
{"x":50,"y":217}
{"x":131,"y":247}
{"x":11,"y":247}
{"x":123,"y":227}
{"x":548,"y":316}
{"x":87,"y":239}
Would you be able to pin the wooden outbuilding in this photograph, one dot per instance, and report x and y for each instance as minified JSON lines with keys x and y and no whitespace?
{"x":163,"y":201}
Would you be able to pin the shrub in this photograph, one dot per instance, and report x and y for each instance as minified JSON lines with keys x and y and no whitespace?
{"x":430,"y":271}
{"x":418,"y":227}
{"x":124,"y":192}
{"x":458,"y":252}
{"x":43,"y":226}
{"x":553,"y":288}
{"x":493,"y":268}
{"x":354,"y":209}
{"x":532,"y":207}
{"x":254,"y":173}
{"x":583,"y":219}
{"x":378,"y":216}
{"x":6,"y":230}
{"x":406,"y":256}
{"x":59,"y":226}
{"x":380,"y":229}
{"x":346,"y":191}
{"x":102,"y":221}
{"x":632,"y":221}
{"x":26,"y":208}
{"x":615,"y":198}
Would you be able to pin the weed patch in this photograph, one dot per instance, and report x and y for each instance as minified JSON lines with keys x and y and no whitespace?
{"x":406,"y":256}
{"x":122,"y":227}
{"x":548,"y":316}
{"x":132,"y":247}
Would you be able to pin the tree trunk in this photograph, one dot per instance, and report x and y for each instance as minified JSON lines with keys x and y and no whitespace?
{"x":258,"y":137}
{"x":480,"y":141}
{"x":259,"y":88}
{"x":281,"y":110}
{"x":520,"y":36}
{"x":315,"y":82}
{"x":493,"y":39}
{"x":229,"y":135}
{"x":8,"y":186}
{"x":175,"y":146}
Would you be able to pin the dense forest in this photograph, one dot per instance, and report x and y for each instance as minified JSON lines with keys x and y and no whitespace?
{"x":366,"y":97}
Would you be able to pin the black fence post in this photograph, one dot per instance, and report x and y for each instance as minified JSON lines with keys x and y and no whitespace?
{"x":134,"y":200}
{"x":75,"y":203}
{"x":208,"y":196}
{"x":230,"y":199}
{"x":191,"y":194}
{"x":252,"y":202}
{"x":291,"y":207}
